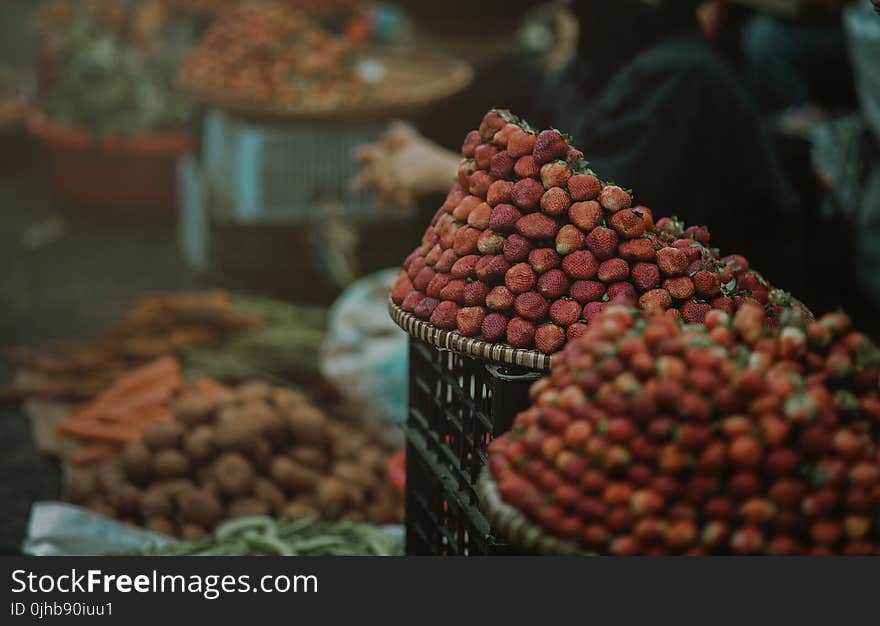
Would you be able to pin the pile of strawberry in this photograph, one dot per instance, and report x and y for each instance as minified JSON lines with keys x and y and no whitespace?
{"x":654,"y":437}
{"x":530,"y":245}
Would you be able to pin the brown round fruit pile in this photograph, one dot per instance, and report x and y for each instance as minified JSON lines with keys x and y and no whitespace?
{"x":530,"y":245}
{"x":653,"y":437}
{"x":264,"y":451}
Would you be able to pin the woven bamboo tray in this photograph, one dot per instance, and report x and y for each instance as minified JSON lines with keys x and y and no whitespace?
{"x":412,"y":80}
{"x":468,"y":346}
{"x":515,"y":527}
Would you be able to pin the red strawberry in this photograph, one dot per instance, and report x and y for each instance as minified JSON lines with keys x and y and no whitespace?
{"x":584,"y":187}
{"x":401,"y":292}
{"x":586,"y":291}
{"x":602,"y":242}
{"x":555,"y":174}
{"x":680,"y":288}
{"x":707,"y":284}
{"x":536,"y":226}
{"x":723,"y":304}
{"x":479,"y":183}
{"x":591,"y":310}
{"x":613,"y":198}
{"x":672,"y":261}
{"x":655,"y":299}
{"x":628,"y":224}
{"x":585,"y":215}
{"x":527,"y":193}
{"x":490,"y":242}
{"x":492,"y":269}
{"x":503,"y":218}
{"x":694,"y":312}
{"x":500,"y":192}
{"x":463,"y":210}
{"x":622,"y":291}
{"x":471,"y":141}
{"x":425,"y":308}
{"x":503,"y":136}
{"x":576,"y":330}
{"x":749,"y":322}
{"x":483,"y":155}
{"x":501,"y":165}
{"x":475,"y":293}
{"x":569,"y":239}
{"x":613,"y":270}
{"x":500,"y":298}
{"x":494,"y":327}
{"x":425,"y":276}
{"x":531,"y":306}
{"x":491,"y":124}
{"x":527,"y":167}
{"x":647,"y":216}
{"x":465,"y":267}
{"x":469,"y":320}
{"x":520,"y":333}
{"x":543,"y":260}
{"x":737,"y":262}
{"x":455,"y":195}
{"x":454,"y":291}
{"x":580,"y":265}
{"x":437,"y":284}
{"x":549,"y":145}
{"x":553,"y":284}
{"x":444,"y":315}
{"x":465,"y":168}
{"x":637,"y":250}
{"x":516,"y":248}
{"x":434,"y":255}
{"x":565,"y":312}
{"x":549,"y":338}
{"x":521,"y":143}
{"x":412,"y":257}
{"x":520,"y":278}
{"x":479,"y":217}
{"x":555,"y":201}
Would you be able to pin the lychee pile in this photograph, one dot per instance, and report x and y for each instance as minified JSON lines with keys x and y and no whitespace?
{"x":530,"y":245}
{"x":732,"y":437}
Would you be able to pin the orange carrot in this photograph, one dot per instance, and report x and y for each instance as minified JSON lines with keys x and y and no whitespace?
{"x":92,"y":453}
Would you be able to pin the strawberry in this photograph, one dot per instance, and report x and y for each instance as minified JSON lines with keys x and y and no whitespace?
{"x":491,"y":124}
{"x":469,"y":320}
{"x":475,"y":293}
{"x":471,"y":141}
{"x":602,"y":242}
{"x":553,"y":284}
{"x":613,"y":198}
{"x":479,"y":183}
{"x":647,"y":216}
{"x":527,"y":167}
{"x":694,"y":312}
{"x":613,"y":270}
{"x":494,"y":327}
{"x":516,"y":248}
{"x":680,"y":288}
{"x":479,"y":217}
{"x":434,"y":255}
{"x":749,"y":322}
{"x":437,"y":284}
{"x":737,"y":262}
{"x":483,"y":155}
{"x":537,"y":226}
{"x":520,"y":333}
{"x":548,"y":146}
{"x":444,"y":315}
{"x":655,"y":299}
{"x":569,"y":239}
{"x":591,"y":310}
{"x":645,"y":276}
{"x":580,"y":265}
{"x":575,"y":330}
{"x":549,"y":338}
{"x":690,"y":251}
{"x":463,"y":209}
{"x":492,"y":269}
{"x":585,"y":215}
{"x":527,"y":193}
{"x":503,"y":218}
{"x":707,"y":284}
{"x":454,"y":291}
{"x":425,"y":308}
{"x":400,"y":292}
{"x":425,"y":276}
{"x":637,"y":250}
{"x":465,"y":267}
{"x":531,"y":306}
{"x":584,"y":187}
{"x":565,"y":312}
{"x":502,"y":137}
{"x":521,"y":143}
{"x":500,"y":298}
{"x":555,"y":201}
{"x":500,"y":192}
{"x":586,"y":291}
{"x":723,"y":304}
{"x":698,"y":233}
{"x":622,"y":291}
{"x":490,"y":242}
{"x":672,"y":261}
{"x":466,"y":167}
{"x":453,"y":198}
{"x":555,"y":174}
{"x":520,"y":278}
{"x":501,"y":165}
{"x":628,"y":224}
{"x":543,"y":260}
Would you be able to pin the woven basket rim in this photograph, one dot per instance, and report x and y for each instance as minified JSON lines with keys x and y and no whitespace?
{"x":515,"y":527}
{"x":468,"y":346}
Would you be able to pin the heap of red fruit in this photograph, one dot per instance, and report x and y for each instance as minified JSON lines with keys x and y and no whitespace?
{"x":654,"y":437}
{"x":530,"y":245}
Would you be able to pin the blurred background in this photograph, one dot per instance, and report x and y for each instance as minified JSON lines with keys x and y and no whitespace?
{"x":284,"y":153}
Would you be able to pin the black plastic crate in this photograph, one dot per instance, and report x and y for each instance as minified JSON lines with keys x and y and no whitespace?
{"x":457,"y":405}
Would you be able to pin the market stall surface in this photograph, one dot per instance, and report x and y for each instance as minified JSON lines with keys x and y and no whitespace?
{"x":67,"y":272}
